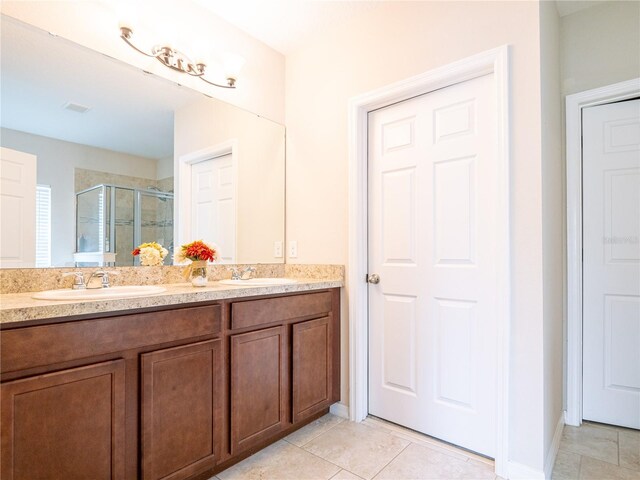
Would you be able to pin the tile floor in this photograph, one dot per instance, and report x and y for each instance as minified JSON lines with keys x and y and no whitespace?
{"x":598,"y":452}
{"x":336,"y":449}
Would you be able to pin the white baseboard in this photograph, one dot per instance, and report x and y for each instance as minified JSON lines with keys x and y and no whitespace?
{"x":572,"y":419}
{"x":518,"y":471}
{"x":339,"y":410}
{"x":553,"y":449}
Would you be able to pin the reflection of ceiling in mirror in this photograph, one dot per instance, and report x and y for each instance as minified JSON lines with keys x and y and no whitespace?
{"x":127,"y":113}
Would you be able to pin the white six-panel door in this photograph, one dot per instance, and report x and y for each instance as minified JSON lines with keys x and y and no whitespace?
{"x":213,"y":205}
{"x":433,"y":200}
{"x":17,"y":209}
{"x":611,"y":263}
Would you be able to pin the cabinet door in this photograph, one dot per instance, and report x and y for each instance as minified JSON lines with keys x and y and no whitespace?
{"x":180,"y":396}
{"x":311,"y":366}
{"x":68,"y":424}
{"x":258,"y":386}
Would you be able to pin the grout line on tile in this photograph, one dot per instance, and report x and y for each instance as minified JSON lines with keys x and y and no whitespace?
{"x":580,"y":468}
{"x":326,"y":460}
{"x":319,"y":434}
{"x":426,"y":440}
{"x":387,"y":464}
{"x":345,"y":470}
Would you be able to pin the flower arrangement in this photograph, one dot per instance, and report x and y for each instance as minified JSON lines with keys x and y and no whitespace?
{"x":151,"y":254}
{"x":195,"y":251}
{"x":199,"y":253}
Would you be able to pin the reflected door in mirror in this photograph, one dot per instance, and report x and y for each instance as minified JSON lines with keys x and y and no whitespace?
{"x":213,"y":205}
{"x":18,"y":209}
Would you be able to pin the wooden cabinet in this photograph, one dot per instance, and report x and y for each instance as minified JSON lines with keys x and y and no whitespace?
{"x":282,"y":374}
{"x":180,"y":409}
{"x":258,"y":387}
{"x":165,"y":393}
{"x":78,"y":396}
{"x":68,"y":424}
{"x":311,"y":361}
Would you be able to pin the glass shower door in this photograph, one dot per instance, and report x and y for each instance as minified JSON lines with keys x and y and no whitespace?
{"x":155,"y":214}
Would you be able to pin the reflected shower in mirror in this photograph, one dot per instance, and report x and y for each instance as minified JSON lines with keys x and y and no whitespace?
{"x":107,"y":138}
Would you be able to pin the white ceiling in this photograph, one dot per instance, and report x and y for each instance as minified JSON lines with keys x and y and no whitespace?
{"x":130,"y":111}
{"x":284,"y":24}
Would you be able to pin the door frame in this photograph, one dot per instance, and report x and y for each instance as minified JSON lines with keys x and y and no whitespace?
{"x":182,"y":209}
{"x":574,"y":105}
{"x":494,"y":61}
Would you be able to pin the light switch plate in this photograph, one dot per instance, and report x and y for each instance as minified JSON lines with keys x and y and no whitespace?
{"x":293,"y":249}
{"x":277,"y":249}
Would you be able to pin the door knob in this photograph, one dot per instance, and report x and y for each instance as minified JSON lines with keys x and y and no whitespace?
{"x":373,"y":278}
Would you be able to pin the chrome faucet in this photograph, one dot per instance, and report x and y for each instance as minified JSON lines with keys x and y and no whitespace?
{"x":104,"y":275}
{"x":244,"y":274}
{"x":78,"y":282}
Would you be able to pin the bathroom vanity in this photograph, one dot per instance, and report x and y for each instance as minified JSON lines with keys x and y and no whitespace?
{"x":179,"y":391}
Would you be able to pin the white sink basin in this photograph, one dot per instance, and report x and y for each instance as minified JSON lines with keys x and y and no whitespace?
{"x":258,"y":282}
{"x":100,"y":293}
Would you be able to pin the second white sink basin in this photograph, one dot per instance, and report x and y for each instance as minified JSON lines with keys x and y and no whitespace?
{"x":259,"y":282}
{"x":123,"y":291}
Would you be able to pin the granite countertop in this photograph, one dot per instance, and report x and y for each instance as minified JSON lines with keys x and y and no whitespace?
{"x":20,"y":307}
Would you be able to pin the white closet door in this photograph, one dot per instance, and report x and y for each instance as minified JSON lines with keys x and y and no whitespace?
{"x":433,"y":201}
{"x":611,"y":264}
{"x":213,"y":205}
{"x":17,"y":209}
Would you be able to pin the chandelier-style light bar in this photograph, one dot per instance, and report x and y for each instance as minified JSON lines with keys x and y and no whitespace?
{"x":175,"y":59}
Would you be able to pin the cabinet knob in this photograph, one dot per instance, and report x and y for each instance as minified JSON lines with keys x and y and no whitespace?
{"x":374,"y":278}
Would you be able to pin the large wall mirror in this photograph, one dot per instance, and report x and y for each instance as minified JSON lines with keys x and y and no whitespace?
{"x":99,"y":156}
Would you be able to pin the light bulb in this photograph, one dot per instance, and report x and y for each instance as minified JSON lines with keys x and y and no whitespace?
{"x":232,"y":64}
{"x":127,"y":14}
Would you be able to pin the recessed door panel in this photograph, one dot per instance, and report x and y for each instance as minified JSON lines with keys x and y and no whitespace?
{"x":398,"y":192}
{"x":622,"y":215}
{"x":399,"y":339}
{"x":456,"y":348}
{"x":451,"y":121}
{"x":398,"y":134}
{"x":622,"y":342}
{"x":454,"y":200}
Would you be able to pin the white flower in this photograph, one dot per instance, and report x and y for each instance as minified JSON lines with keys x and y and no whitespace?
{"x":151,"y":257}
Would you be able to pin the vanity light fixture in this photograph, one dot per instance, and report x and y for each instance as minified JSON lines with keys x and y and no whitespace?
{"x":176,"y":60}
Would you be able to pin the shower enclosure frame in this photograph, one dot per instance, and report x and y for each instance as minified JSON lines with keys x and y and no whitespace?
{"x":110,"y":223}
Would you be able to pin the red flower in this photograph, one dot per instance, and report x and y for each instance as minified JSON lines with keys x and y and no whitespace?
{"x":199,"y":250}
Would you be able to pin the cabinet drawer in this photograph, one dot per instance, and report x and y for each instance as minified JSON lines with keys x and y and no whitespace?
{"x":269,"y":310}
{"x":49,"y":344}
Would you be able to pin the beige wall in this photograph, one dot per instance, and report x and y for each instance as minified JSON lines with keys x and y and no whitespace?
{"x":553,"y":224}
{"x":599,"y":46}
{"x":260,"y":211}
{"x":393,"y":42}
{"x":188,"y":26}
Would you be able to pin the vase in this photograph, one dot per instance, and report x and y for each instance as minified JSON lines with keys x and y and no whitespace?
{"x":199,"y":273}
